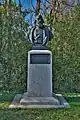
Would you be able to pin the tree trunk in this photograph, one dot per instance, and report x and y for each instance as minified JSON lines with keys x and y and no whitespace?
{"x":37,"y":11}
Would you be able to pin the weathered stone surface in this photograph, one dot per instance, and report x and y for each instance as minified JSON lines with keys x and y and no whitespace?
{"x":39,"y":73}
{"x":16,"y":103}
{"x":39,"y":101}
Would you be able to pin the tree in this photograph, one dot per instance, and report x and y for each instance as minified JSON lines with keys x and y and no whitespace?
{"x":13,"y":47}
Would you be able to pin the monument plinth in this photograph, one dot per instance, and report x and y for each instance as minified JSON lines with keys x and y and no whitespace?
{"x":39,"y":73}
{"x":39,"y":80}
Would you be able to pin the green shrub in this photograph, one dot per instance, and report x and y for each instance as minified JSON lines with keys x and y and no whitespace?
{"x":65,"y":47}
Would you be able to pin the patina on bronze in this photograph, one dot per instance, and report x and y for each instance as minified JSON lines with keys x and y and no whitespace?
{"x":40,"y":34}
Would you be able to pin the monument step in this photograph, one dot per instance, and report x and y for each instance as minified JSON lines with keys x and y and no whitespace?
{"x":39,"y":101}
{"x":16,"y":103}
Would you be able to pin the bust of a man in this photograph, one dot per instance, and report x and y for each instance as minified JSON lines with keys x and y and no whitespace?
{"x":40,"y":34}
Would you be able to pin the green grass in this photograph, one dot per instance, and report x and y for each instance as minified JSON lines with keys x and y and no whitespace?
{"x":72,"y":113}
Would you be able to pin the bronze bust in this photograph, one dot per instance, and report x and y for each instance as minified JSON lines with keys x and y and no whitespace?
{"x":40,"y":34}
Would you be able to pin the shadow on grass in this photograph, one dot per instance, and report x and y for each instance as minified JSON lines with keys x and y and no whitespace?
{"x":73,"y":99}
{"x":5,"y":100}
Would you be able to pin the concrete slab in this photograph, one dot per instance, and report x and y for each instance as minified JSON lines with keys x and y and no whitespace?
{"x":39,"y":102}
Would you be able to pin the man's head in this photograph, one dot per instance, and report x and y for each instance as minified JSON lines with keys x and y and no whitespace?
{"x":39,"y":21}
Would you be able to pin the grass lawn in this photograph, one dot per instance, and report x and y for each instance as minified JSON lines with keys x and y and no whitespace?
{"x":72,"y":113}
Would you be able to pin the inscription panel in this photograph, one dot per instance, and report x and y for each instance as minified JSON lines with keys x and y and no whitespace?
{"x":39,"y":58}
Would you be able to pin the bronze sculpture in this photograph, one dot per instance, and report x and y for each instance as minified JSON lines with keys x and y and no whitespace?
{"x":40,"y":34}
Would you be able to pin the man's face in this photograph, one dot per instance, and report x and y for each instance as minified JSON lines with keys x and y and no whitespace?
{"x":40,"y":23}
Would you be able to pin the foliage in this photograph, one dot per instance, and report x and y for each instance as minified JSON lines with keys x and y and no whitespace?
{"x":65,"y":47}
{"x":13,"y":49}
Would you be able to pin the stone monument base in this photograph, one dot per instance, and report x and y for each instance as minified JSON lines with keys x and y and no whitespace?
{"x":22,"y":101}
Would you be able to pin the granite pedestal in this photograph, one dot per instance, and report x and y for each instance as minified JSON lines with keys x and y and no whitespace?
{"x":39,"y":84}
{"x":39,"y":73}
